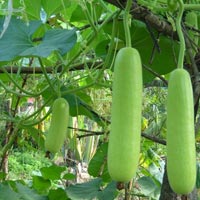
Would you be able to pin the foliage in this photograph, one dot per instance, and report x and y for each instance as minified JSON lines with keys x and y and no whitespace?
{"x":67,"y":48}
{"x":23,"y":164}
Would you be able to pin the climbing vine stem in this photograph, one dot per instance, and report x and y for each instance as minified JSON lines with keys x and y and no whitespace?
{"x":126,"y":22}
{"x":180,"y":34}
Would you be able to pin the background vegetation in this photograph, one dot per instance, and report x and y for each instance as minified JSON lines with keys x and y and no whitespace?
{"x":67,"y":47}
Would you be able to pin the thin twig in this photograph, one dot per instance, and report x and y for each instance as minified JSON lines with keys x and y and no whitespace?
{"x":154,"y":38}
{"x":90,"y":133}
{"x":95,"y":133}
{"x":153,"y":138}
{"x":155,"y":74}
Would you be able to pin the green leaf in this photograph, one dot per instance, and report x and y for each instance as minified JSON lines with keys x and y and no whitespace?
{"x":30,"y":10}
{"x":27,"y":193}
{"x":102,"y":48}
{"x":41,"y":185}
{"x":52,"y":7}
{"x":98,"y":165}
{"x":60,"y":40}
{"x":79,"y":105}
{"x":143,"y":42}
{"x":92,"y":190}
{"x":109,"y":193}
{"x":79,"y":15}
{"x":58,"y":194}
{"x":17,"y":40}
{"x":156,"y":172}
{"x":168,"y":52}
{"x":53,"y":172}
{"x":33,"y":9}
{"x":69,"y":176}
{"x":7,"y":192}
{"x":148,"y":187}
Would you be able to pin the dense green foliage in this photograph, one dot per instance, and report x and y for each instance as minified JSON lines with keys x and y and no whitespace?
{"x":67,"y":48}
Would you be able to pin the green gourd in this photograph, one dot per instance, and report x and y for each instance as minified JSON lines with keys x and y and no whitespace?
{"x":181,"y":153}
{"x":125,"y":133}
{"x":58,"y":126}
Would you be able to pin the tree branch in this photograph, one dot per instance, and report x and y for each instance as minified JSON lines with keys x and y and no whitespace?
{"x":49,"y":70}
{"x":153,"y":138}
{"x":144,"y":14}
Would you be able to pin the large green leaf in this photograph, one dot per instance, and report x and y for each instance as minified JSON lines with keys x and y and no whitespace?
{"x":6,"y":192}
{"x":69,"y":176}
{"x":41,"y":185}
{"x":79,"y":13}
{"x":98,"y":165}
{"x":157,"y":171}
{"x":92,"y":190}
{"x":28,"y":194}
{"x":79,"y":105}
{"x":52,"y":7}
{"x":143,"y":41}
{"x":53,"y":172}
{"x":33,"y":9}
{"x":60,"y":40}
{"x":148,"y":187}
{"x":161,"y":62}
{"x":79,"y":102}
{"x":14,"y":190}
{"x":17,"y":40}
{"x":58,"y":194}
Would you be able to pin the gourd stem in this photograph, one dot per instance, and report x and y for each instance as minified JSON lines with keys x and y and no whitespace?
{"x":126,"y":23}
{"x":180,"y":34}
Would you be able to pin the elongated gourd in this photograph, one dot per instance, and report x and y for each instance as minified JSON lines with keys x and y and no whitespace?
{"x":58,"y":126}
{"x":181,"y":154}
{"x":124,"y":138}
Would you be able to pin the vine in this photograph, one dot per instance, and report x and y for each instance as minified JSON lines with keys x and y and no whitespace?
{"x":127,"y":21}
{"x":180,"y":34}
{"x":89,"y":40}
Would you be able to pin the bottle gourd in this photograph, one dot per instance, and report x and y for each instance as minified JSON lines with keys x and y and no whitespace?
{"x":181,"y":154}
{"x":124,"y":138}
{"x":58,"y":126}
